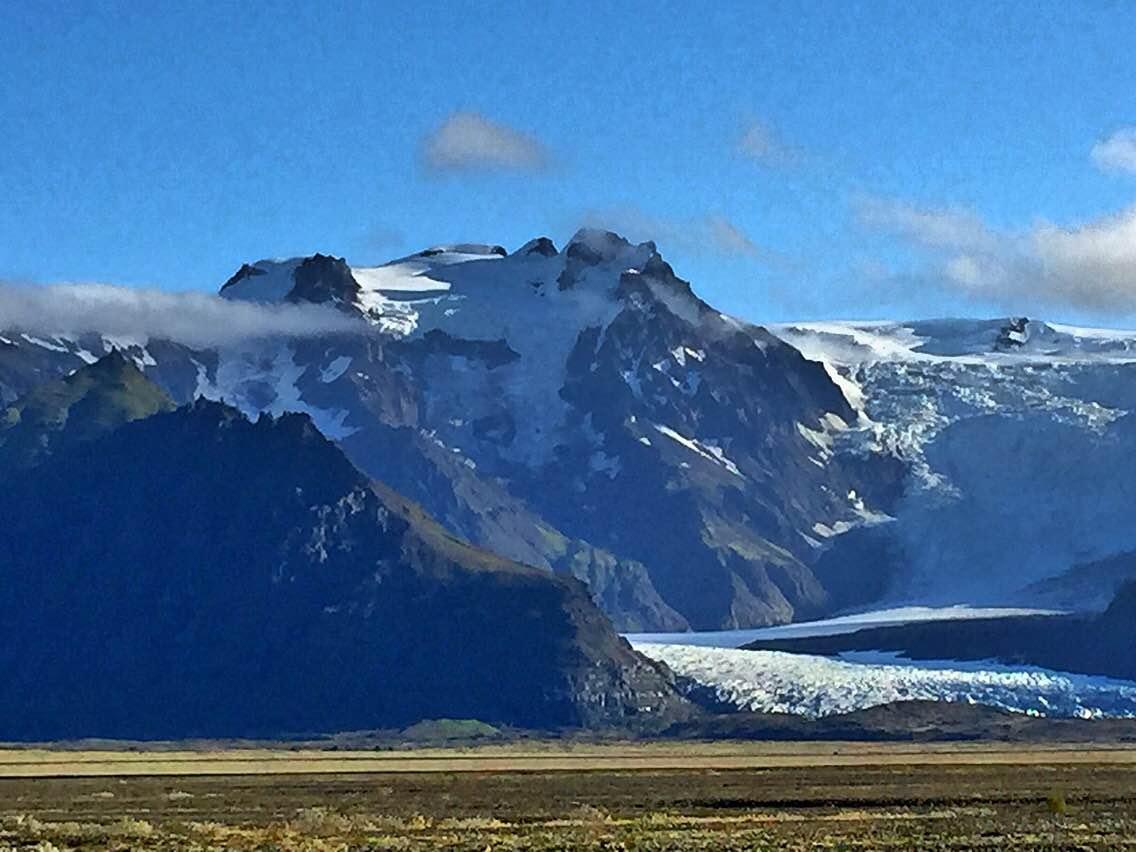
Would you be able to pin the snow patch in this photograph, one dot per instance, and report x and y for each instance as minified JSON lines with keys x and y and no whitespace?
{"x":335,"y":369}
{"x":271,"y":281}
{"x":45,"y":344}
{"x":708,"y":451}
{"x":263,"y":379}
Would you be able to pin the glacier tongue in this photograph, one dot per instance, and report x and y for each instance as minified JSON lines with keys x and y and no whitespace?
{"x":801,"y":684}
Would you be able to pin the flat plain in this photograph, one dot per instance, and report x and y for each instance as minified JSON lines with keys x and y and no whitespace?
{"x":529,"y":795}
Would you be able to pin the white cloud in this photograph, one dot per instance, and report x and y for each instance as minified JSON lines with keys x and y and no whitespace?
{"x":1095,"y":263}
{"x":760,"y":143}
{"x":195,"y":319}
{"x":1117,"y":153}
{"x":1088,"y":267}
{"x":932,"y":227}
{"x":708,"y":234}
{"x":468,"y":142}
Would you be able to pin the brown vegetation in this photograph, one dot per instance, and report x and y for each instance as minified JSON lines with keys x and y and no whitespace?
{"x":903,"y":798}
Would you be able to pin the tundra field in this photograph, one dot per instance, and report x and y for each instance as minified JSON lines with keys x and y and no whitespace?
{"x":551,"y":796}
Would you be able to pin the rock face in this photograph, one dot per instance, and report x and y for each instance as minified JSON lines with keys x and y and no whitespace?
{"x":219,"y":577}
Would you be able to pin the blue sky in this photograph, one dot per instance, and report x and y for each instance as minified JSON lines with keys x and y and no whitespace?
{"x":793,"y":160}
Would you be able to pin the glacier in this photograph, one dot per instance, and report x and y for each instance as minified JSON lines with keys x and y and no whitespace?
{"x":1019,"y":438}
{"x":813,"y":686}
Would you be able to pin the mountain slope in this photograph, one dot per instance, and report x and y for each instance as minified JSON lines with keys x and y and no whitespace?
{"x":225,"y":578}
{"x":580,"y":410}
{"x":90,"y":402}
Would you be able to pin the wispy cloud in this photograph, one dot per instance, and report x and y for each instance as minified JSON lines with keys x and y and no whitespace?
{"x":1088,"y":267}
{"x":470,"y":142}
{"x":932,"y":227}
{"x":760,"y":143}
{"x":728,"y":238}
{"x":198,"y":320}
{"x":1117,"y":153}
{"x":711,"y":233}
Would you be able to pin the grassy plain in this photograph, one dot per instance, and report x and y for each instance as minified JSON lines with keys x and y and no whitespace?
{"x":550,"y":796}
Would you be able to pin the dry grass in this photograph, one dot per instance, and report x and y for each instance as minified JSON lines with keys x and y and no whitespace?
{"x":550,"y":756}
{"x":887,"y":804}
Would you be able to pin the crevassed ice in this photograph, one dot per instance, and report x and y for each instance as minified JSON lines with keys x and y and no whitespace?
{"x":801,"y":684}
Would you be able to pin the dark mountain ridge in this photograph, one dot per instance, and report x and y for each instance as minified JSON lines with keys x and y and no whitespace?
{"x":218,"y":577}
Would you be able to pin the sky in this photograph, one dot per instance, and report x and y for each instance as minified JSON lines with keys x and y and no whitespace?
{"x":793,"y":160}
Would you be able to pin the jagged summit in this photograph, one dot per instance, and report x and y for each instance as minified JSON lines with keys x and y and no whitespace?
{"x":394,"y":295}
{"x":541,"y":245}
{"x":274,"y":279}
{"x":319,"y":279}
{"x":598,"y":245}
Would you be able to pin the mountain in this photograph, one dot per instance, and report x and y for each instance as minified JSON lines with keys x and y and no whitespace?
{"x":196,"y":574}
{"x":64,"y":412}
{"x":581,"y":410}
{"x":1019,"y":438}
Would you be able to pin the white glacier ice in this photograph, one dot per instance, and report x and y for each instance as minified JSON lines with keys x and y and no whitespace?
{"x":813,"y":686}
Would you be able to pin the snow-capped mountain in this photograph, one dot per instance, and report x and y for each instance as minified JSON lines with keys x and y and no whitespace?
{"x":587,"y":395}
{"x":1019,"y":439}
{"x":577,"y":409}
{"x":582,"y":410}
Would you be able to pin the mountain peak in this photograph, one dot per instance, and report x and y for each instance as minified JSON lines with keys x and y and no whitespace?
{"x":113,"y":363}
{"x":317,"y":278}
{"x":596,"y":245}
{"x":541,"y":245}
{"x":322,"y":279}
